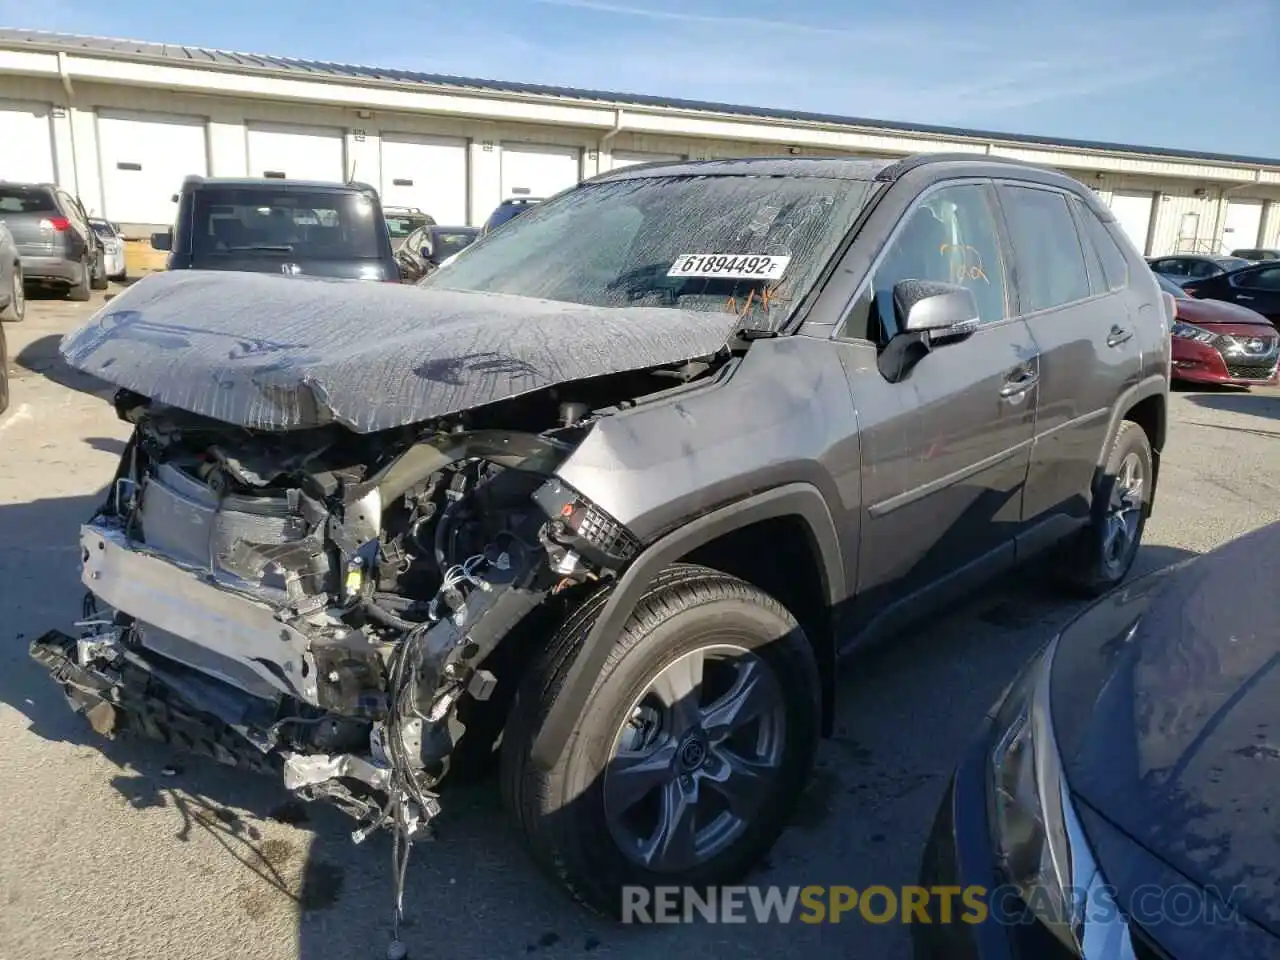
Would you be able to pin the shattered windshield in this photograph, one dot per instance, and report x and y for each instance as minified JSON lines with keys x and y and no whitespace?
{"x":748,"y":244}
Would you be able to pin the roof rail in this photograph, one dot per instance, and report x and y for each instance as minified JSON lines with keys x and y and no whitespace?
{"x":907,"y":164}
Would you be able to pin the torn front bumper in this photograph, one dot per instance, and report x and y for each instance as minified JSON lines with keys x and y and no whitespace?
{"x":185,"y":614}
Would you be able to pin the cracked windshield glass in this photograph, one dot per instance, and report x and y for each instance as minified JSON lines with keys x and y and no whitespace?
{"x":750,"y":245}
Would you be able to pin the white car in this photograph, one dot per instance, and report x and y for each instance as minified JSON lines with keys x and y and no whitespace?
{"x":113,"y":248}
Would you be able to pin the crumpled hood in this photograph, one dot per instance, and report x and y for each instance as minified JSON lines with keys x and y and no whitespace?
{"x":1174,"y":735}
{"x":283,"y":353}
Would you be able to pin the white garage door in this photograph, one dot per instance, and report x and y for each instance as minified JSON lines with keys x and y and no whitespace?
{"x":26,"y":142}
{"x":429,"y":173}
{"x":532,"y":170}
{"x":285,"y":151}
{"x":144,"y":158}
{"x":1243,"y":224}
{"x":1133,"y":210}
{"x":629,"y":158}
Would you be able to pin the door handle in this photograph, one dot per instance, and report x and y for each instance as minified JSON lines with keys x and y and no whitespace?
{"x":1020,"y":384}
{"x":1243,"y":296}
{"x":1118,"y":335}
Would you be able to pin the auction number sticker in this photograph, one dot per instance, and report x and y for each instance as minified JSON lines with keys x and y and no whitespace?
{"x":731,"y":266}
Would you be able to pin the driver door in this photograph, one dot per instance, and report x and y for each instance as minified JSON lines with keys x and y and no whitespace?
{"x":945,"y":446}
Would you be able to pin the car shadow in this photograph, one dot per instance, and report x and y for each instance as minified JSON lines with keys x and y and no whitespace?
{"x":1255,"y":403}
{"x":43,"y":357}
{"x":473,"y":891}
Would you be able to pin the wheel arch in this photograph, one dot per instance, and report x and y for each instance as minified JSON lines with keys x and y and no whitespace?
{"x":795,"y":512}
{"x":1146,"y":404}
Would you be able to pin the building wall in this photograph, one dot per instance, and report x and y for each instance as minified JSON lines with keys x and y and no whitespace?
{"x":1188,"y":210}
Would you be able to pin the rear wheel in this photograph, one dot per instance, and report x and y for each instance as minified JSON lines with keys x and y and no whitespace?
{"x":17,"y":306}
{"x":79,"y":289}
{"x":1118,"y":515}
{"x":98,"y":277}
{"x":689,"y":755}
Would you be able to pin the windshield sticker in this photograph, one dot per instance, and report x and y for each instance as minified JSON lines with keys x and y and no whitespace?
{"x":729,"y":266}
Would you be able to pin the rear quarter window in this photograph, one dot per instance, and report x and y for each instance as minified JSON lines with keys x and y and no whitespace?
{"x":1046,"y":248}
{"x":1115,"y":267}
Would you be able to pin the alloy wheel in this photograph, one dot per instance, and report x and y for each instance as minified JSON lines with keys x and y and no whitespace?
{"x":1124,"y":514}
{"x":696,"y":758}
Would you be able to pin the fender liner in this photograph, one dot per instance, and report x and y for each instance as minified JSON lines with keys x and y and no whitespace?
{"x":796,"y":499}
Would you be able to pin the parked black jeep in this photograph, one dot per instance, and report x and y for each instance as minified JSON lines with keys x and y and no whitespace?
{"x":294,"y":227}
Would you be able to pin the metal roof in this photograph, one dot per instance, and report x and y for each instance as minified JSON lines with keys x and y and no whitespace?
{"x":323,"y":69}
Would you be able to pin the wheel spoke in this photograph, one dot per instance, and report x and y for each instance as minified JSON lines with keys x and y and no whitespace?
{"x":679,"y":687}
{"x":673,"y":845}
{"x":633,"y":775}
{"x":741,"y":782}
{"x":750,"y":696}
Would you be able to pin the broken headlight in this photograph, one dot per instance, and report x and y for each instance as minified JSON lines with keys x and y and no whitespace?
{"x":583,"y":529}
{"x":1039,"y":845}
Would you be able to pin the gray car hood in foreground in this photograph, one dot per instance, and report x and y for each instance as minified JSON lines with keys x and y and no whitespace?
{"x":282,"y":353}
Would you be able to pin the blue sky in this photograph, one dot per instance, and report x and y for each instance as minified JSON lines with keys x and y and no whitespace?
{"x":1175,"y":73}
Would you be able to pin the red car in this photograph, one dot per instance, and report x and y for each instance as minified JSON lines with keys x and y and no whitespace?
{"x":1217,"y":342}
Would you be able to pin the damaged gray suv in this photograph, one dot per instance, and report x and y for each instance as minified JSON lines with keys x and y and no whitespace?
{"x":604,"y":499}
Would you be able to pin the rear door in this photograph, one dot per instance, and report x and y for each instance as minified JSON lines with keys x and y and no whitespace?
{"x":80,"y":236}
{"x":1257,"y":288}
{"x":1089,"y":354}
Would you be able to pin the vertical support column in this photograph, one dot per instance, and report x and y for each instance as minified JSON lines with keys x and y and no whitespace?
{"x":88,"y":175}
{"x":484,"y":176}
{"x":228,"y":147}
{"x":64,"y":149}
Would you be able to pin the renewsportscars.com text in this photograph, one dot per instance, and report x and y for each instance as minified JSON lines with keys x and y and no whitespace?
{"x":1180,"y":904}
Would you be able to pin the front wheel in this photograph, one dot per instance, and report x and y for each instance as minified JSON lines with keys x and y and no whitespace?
{"x":1118,"y":515}
{"x":689,"y":755}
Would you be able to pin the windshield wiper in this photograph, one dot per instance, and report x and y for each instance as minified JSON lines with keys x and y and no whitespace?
{"x":264,"y":247}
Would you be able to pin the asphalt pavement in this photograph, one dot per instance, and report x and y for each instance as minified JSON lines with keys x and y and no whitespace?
{"x":126,"y":850}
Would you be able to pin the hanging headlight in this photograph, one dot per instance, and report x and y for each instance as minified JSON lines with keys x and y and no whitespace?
{"x":1189,"y":331}
{"x":1033,"y":827}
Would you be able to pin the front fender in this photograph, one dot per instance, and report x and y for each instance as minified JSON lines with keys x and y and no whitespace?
{"x":797,"y":499}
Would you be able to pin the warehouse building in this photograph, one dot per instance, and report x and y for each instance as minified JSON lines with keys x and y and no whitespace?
{"x":120,"y":123}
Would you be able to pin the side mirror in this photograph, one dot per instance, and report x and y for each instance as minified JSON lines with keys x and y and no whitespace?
{"x":940,"y":309}
{"x":162,"y":240}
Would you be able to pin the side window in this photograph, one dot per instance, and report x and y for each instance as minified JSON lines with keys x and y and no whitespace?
{"x":1114,"y":265}
{"x":1267,"y":279}
{"x":1051,"y":269}
{"x":950,"y":237}
{"x":1093,"y":260}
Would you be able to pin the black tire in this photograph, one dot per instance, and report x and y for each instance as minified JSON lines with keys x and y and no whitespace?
{"x":98,"y":281}
{"x":4,"y":374}
{"x":16,"y":308}
{"x":1093,"y":570}
{"x":80,"y":290}
{"x":561,"y":812}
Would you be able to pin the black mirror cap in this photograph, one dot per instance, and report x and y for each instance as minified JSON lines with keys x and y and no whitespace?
{"x":162,"y":240}
{"x":935,"y":307}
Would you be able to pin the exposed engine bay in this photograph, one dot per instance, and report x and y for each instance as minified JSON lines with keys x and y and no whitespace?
{"x":321,"y":602}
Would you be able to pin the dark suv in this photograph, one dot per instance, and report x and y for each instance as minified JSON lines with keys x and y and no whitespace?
{"x":620,"y":507}
{"x":54,"y":239}
{"x":294,"y":227}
